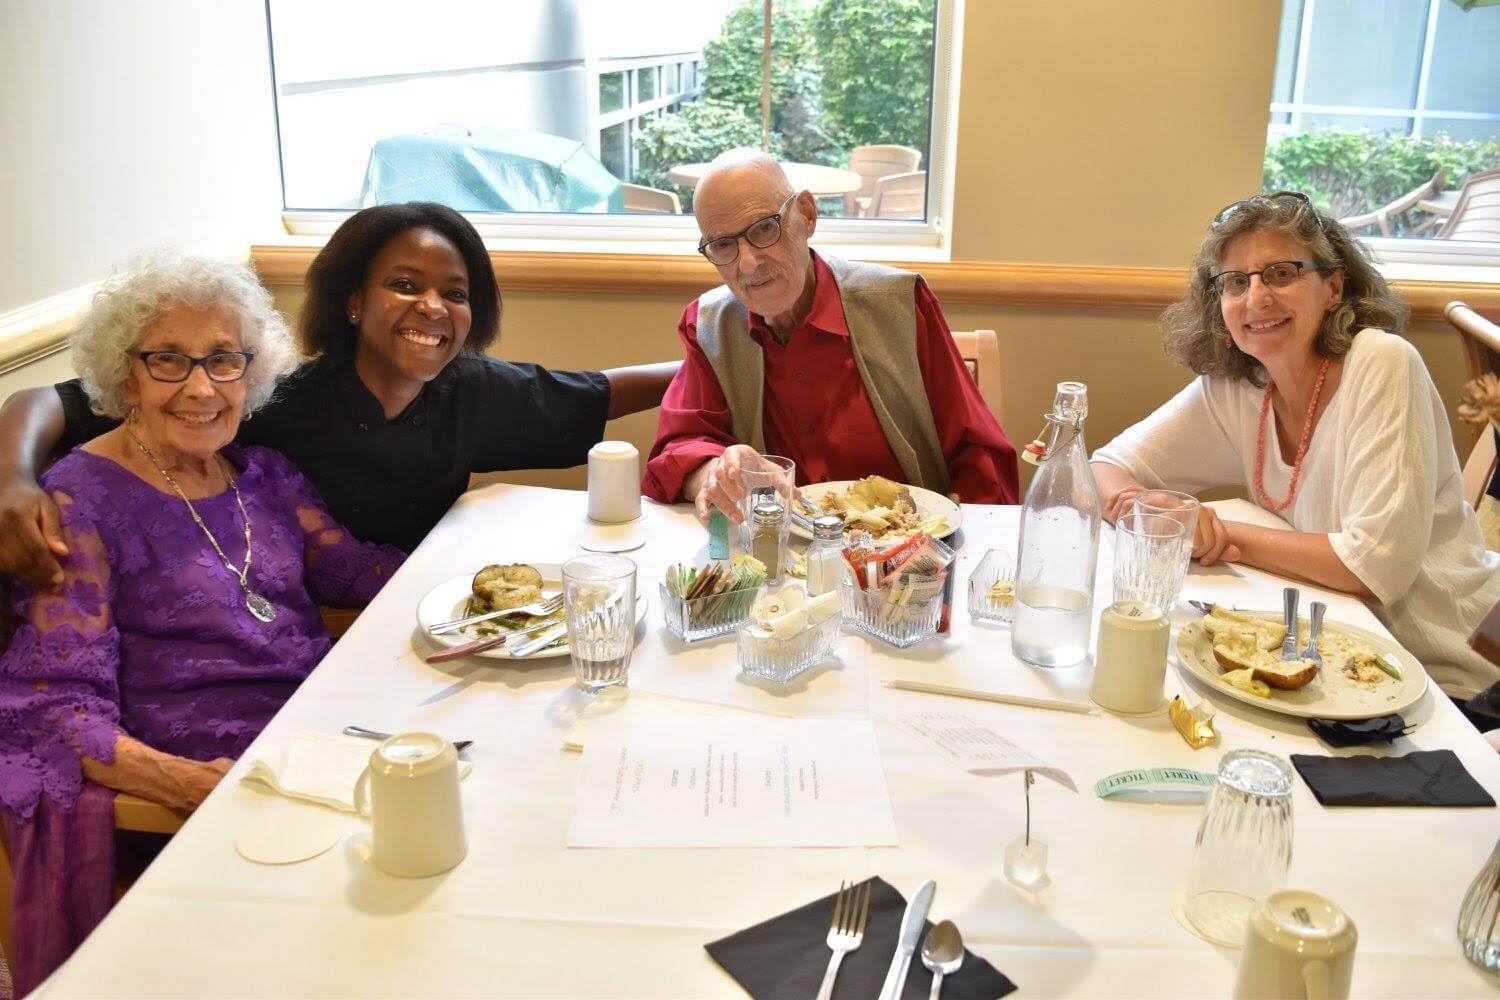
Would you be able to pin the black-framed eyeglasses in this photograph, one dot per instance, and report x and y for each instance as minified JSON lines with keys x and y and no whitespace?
{"x":1233,"y":284}
{"x":722,"y":251}
{"x":174,"y":366}
{"x":1227,"y":212}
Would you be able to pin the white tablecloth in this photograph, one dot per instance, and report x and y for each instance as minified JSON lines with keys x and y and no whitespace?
{"x":524,"y":916}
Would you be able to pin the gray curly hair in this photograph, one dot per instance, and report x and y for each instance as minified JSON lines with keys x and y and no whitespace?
{"x":1193,"y":327}
{"x":131,"y":299}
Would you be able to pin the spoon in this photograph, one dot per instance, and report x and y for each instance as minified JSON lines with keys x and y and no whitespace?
{"x":942,"y":953}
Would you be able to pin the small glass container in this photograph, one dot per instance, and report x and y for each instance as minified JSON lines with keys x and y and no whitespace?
{"x":992,"y":588}
{"x":874,"y":613}
{"x":768,"y":539}
{"x":1479,"y":916}
{"x":782,"y":660}
{"x":706,"y":617}
{"x":825,"y":556}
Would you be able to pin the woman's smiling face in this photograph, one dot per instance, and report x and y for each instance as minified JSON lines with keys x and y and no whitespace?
{"x":413,"y":309}
{"x":1276,"y":323}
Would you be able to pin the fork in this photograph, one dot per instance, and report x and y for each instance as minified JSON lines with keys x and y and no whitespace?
{"x":1316,"y":626}
{"x":846,"y":931}
{"x":538,"y":609}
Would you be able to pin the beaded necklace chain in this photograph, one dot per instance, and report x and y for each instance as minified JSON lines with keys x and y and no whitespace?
{"x":1260,"y":443}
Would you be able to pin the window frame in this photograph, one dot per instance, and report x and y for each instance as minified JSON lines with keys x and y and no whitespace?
{"x":928,"y":240}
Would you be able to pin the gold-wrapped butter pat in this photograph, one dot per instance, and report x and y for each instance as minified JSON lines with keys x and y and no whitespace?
{"x":1195,"y":725}
{"x":1002,"y":592}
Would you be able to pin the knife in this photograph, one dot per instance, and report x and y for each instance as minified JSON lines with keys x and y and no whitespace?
{"x":906,"y":944}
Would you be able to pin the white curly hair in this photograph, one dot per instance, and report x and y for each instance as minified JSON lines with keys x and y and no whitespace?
{"x":131,"y":299}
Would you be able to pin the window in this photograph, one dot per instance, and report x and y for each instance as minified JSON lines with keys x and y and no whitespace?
{"x":539,"y":110}
{"x":1387,"y":113}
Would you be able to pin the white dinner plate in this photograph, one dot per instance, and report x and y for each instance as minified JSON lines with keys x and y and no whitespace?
{"x":1329,"y":695}
{"x":929,"y":503}
{"x":450,"y":600}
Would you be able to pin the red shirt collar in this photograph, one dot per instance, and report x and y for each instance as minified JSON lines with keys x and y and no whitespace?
{"x":827,"y":312}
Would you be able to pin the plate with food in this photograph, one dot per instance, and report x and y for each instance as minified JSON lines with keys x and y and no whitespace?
{"x":1363,"y":675}
{"x":888,"y":510}
{"x":498,"y":587}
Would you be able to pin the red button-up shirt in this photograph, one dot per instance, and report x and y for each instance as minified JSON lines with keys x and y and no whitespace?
{"x":817,"y":412}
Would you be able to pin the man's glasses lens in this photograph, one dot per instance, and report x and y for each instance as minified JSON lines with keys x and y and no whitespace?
{"x":170,"y":366}
{"x":722,"y":251}
{"x":764,"y":233}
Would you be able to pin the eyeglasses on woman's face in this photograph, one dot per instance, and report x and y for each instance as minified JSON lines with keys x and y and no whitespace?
{"x":722,"y":251}
{"x":1233,"y":284}
{"x":174,"y":366}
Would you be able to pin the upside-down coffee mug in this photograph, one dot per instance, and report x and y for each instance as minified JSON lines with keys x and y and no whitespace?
{"x":410,"y":792}
{"x":1297,"y":945}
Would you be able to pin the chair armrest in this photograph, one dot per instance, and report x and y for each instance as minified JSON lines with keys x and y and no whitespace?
{"x":135,"y":813}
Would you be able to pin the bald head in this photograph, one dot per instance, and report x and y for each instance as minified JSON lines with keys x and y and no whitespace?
{"x":740,"y":189}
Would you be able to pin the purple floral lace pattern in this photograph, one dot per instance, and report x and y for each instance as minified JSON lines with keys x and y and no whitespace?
{"x":150,"y":635}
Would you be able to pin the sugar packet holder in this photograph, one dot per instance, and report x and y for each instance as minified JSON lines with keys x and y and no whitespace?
{"x":1155,"y":784}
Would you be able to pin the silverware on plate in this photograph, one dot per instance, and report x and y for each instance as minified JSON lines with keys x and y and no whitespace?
{"x":538,"y":609}
{"x":1315,"y":627}
{"x":1289,"y":598}
{"x":846,"y":930}
{"x":375,"y":734}
{"x":480,"y":645}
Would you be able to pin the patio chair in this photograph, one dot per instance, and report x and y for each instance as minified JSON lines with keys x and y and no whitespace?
{"x":1386,"y":214}
{"x":1481,"y":340}
{"x":641,"y":200}
{"x":1476,"y":216}
{"x":900,"y":196}
{"x":873,"y":163}
{"x":980,"y":351}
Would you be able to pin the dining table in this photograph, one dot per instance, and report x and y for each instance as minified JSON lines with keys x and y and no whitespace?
{"x":820,"y":180}
{"x":525,"y":915}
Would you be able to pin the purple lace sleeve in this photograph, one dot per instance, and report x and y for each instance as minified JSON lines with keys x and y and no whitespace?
{"x":59,"y":680}
{"x":342,"y":571}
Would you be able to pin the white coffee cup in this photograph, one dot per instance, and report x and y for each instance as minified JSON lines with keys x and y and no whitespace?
{"x":1130,"y":661}
{"x":1297,"y":945}
{"x":614,"y":482}
{"x":410,"y":792}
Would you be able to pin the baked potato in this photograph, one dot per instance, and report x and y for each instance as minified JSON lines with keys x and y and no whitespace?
{"x":500,"y":587}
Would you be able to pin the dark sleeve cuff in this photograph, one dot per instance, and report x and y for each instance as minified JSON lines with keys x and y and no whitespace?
{"x":80,"y":423}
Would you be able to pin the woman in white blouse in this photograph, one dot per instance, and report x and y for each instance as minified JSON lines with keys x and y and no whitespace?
{"x":1307,"y":396}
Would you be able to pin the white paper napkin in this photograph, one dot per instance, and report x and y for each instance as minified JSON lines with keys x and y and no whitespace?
{"x":321,"y":768}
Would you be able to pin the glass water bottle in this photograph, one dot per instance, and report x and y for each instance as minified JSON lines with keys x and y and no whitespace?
{"x":1059,"y":544}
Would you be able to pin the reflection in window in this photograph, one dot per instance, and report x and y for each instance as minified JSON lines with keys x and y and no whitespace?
{"x":611,"y":92}
{"x":614,"y":149}
{"x":1383,"y":110}
{"x":645,"y":83}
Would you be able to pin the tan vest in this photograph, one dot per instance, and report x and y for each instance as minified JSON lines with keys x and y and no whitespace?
{"x":880,"y":310}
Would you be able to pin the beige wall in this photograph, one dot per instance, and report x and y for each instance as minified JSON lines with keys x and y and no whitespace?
{"x":1094,"y":133}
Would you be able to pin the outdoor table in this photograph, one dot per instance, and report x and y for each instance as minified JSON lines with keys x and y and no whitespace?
{"x":1440,"y":205}
{"x":524,"y":915}
{"x":821,"y":181}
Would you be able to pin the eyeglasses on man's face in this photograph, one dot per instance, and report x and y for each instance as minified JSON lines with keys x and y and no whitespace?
{"x":722,"y":251}
{"x":174,"y":366}
{"x":1233,"y":284}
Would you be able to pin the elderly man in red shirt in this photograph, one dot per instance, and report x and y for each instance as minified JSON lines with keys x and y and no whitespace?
{"x":846,"y":368}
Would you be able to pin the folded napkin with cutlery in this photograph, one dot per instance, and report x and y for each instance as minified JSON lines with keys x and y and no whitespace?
{"x":321,"y":768}
{"x":785,"y":957}
{"x":1420,"y":778}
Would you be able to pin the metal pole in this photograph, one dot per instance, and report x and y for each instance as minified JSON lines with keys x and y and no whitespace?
{"x":765,"y":81}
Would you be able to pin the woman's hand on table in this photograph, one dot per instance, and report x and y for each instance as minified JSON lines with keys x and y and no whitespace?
{"x":178,"y":783}
{"x":1212,"y":543}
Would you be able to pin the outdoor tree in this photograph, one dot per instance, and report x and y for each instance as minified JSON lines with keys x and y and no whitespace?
{"x":875,"y":68}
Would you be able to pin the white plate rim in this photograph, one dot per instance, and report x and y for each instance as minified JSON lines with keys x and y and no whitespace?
{"x":463,"y":583}
{"x":1185,"y":643}
{"x":927,"y":500}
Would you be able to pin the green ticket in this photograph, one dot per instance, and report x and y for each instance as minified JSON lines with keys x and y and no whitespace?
{"x":1151,"y":779}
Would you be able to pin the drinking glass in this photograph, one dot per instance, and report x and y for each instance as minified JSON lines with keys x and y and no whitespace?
{"x":1479,"y":916}
{"x":992,"y":588}
{"x":1148,"y":560}
{"x":1244,"y":845}
{"x":1180,"y":507}
{"x":599,"y":603}
{"x":766,"y":476}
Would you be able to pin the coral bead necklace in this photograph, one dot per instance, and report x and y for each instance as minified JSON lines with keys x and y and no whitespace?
{"x":1260,"y":443}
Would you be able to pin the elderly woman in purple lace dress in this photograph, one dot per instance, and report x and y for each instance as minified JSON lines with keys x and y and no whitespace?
{"x":187,"y":614}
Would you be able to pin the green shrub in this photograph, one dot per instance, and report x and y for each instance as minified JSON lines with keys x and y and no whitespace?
{"x":1348,"y":172}
{"x":700,"y":131}
{"x":875,"y":69}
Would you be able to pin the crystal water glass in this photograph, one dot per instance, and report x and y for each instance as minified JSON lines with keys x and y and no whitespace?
{"x":1479,"y":916}
{"x":599,"y":604}
{"x":762,"y":476}
{"x":1180,"y":507}
{"x":1244,"y":846}
{"x":1148,"y":560}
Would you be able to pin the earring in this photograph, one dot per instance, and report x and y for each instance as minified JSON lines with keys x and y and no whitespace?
{"x":353,"y":318}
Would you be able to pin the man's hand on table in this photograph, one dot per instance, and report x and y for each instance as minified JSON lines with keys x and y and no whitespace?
{"x":31,"y":537}
{"x":716,"y":483}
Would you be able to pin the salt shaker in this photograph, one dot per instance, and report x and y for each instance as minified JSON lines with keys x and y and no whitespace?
{"x":825,"y":556}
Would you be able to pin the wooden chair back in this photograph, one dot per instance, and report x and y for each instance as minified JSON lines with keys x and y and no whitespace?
{"x":873,"y":163}
{"x":1476,"y":216}
{"x":980,"y":350}
{"x":1481,"y":343}
{"x":900,"y":196}
{"x":641,"y":200}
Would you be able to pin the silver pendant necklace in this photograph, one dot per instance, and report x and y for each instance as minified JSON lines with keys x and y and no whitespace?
{"x":257,"y":605}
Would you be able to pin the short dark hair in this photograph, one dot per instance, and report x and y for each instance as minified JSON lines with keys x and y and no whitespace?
{"x":343,"y":264}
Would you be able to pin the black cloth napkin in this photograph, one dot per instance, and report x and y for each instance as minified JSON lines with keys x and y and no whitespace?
{"x":785,"y":957}
{"x":1358,"y":733}
{"x":1420,"y":778}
